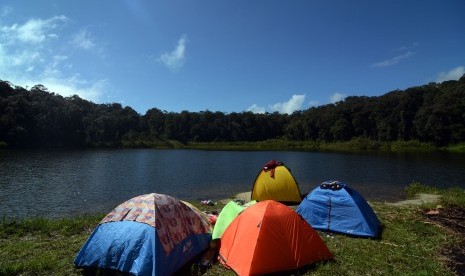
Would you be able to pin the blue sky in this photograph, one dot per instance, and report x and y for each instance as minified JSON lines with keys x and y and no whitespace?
{"x":229,"y":56}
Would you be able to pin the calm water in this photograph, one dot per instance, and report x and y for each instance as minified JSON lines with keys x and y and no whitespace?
{"x":65,"y":183}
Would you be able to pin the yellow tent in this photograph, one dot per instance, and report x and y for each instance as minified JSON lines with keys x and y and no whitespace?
{"x":276,"y":182}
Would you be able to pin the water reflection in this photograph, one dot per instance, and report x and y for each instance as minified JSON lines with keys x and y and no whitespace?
{"x":64,"y":183}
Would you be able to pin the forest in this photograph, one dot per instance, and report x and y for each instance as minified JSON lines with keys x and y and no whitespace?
{"x":37,"y":118}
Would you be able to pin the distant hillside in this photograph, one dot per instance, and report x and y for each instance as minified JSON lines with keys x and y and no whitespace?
{"x":433,"y":113}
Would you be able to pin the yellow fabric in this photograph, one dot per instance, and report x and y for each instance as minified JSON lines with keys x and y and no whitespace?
{"x":282,"y":187}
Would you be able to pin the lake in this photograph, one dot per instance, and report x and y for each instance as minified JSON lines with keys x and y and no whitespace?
{"x":65,"y":183}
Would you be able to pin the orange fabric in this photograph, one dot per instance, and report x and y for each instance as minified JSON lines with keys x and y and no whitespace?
{"x":270,"y":237}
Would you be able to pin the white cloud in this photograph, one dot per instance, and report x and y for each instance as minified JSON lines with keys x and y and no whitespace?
{"x":92,"y":91}
{"x":83,"y":40}
{"x":294,"y":104}
{"x":28,"y":57}
{"x":34,"y":31}
{"x":392,"y":61}
{"x":453,"y":74}
{"x":175,"y":59}
{"x":336,"y":97}
{"x":53,"y":69}
{"x":20,"y":58}
{"x":22,"y":45}
{"x":256,"y":109}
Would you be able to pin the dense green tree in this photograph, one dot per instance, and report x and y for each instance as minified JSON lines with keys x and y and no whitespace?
{"x":39,"y":118}
{"x":153,"y":122}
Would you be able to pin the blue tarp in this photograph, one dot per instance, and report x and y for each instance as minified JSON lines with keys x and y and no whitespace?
{"x":339,"y":209}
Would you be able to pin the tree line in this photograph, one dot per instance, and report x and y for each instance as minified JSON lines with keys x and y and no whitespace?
{"x":433,"y":113}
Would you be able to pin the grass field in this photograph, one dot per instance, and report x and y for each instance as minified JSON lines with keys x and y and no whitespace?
{"x":354,"y":145}
{"x":358,"y":144}
{"x":410,"y":244}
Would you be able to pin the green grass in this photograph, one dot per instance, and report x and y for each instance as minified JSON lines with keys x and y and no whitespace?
{"x":451,"y":196}
{"x":357,"y":144}
{"x":409,"y":244}
{"x":354,"y":145}
{"x":40,"y":246}
{"x":270,"y":145}
{"x":457,"y":148}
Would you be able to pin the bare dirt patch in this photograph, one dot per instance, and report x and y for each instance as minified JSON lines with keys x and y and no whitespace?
{"x":419,"y":199}
{"x":245,"y":196}
{"x":453,"y":219}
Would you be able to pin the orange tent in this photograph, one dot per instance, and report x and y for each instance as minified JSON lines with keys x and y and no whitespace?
{"x":270,"y":237}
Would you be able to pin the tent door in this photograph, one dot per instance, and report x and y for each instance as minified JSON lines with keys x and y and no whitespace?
{"x":329,"y":214}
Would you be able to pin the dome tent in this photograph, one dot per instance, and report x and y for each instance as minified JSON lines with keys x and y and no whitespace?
{"x":275,"y":182}
{"x":229,"y":212}
{"x":335,"y":207}
{"x":151,"y":234}
{"x":270,"y":237}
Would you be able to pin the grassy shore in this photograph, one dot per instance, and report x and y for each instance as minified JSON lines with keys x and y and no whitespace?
{"x":354,"y":145}
{"x":410,"y":244}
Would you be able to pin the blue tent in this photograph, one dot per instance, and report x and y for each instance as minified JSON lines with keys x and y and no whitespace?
{"x":335,"y":207}
{"x":151,"y":234}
